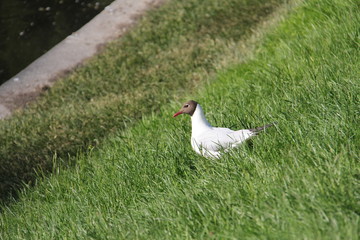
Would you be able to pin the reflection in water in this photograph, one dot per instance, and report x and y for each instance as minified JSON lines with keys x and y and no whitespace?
{"x":28,"y":28}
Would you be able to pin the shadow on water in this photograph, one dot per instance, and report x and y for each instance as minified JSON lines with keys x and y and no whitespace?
{"x":29,"y":28}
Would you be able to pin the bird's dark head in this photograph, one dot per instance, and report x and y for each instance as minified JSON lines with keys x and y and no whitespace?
{"x":188,"y":108}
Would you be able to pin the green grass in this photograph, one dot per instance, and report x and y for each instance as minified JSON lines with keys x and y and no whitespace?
{"x":299,"y":180}
{"x":171,"y":51}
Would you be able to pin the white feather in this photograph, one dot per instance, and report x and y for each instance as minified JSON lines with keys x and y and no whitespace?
{"x":212,"y":141}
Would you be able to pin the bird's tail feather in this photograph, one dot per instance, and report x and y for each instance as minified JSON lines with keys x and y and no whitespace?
{"x":259,"y":129}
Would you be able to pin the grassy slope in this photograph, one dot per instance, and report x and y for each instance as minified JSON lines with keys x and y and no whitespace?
{"x":168,"y":53}
{"x":298,"y":181}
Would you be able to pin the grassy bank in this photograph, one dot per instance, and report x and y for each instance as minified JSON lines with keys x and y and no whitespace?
{"x":299,"y":180}
{"x":170,"y":52}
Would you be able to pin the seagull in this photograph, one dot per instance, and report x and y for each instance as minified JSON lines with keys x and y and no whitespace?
{"x":210,"y":141}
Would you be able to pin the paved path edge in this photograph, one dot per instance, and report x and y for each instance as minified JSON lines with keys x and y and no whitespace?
{"x":41,"y":74}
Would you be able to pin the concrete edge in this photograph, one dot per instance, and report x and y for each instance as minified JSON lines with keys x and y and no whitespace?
{"x":41,"y":74}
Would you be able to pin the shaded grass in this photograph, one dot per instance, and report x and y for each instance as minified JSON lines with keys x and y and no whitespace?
{"x":170,"y":52}
{"x":300,"y":180}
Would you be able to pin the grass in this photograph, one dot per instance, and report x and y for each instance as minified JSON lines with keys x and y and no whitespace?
{"x":299,"y":180}
{"x":170,"y":52}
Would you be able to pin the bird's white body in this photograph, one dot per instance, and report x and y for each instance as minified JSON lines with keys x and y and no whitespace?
{"x":212,"y":141}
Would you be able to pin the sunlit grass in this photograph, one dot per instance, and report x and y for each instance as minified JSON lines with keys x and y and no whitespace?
{"x":299,"y":180}
{"x":171,"y":51}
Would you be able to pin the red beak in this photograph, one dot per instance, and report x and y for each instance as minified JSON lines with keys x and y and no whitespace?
{"x":177,"y":114}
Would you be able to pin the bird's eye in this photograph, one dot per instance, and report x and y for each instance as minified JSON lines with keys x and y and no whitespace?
{"x":186,"y":105}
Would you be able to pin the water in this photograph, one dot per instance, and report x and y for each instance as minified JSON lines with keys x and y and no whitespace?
{"x":29,"y":28}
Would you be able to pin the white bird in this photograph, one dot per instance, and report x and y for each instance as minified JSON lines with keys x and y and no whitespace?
{"x":210,"y":141}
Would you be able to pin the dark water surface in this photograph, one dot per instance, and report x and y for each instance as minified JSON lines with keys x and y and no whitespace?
{"x":29,"y":28}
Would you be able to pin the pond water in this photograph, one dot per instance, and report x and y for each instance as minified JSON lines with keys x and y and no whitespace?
{"x":29,"y":28}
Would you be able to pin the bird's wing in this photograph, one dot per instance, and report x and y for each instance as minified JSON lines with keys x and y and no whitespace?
{"x":218,"y":139}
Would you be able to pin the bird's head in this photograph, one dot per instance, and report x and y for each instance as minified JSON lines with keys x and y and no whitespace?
{"x":188,"y":108}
